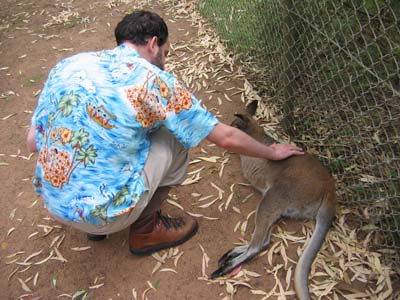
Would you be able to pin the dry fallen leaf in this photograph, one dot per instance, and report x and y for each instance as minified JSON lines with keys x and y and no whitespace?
{"x":24,"y":286}
{"x":211,"y":159}
{"x":10,"y":231}
{"x":96,"y":286}
{"x":175,"y":204}
{"x":81,"y":248}
{"x":177,"y":258}
{"x":209,"y":203}
{"x":168,"y":270}
{"x":32,"y":255}
{"x":44,"y":260}
{"x":9,"y":116}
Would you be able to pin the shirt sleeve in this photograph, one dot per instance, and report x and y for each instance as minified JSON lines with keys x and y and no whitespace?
{"x":185,"y":117}
{"x":47,"y":98}
{"x":42,"y":101}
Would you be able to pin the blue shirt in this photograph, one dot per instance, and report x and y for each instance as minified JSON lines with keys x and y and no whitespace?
{"x":93,"y":121}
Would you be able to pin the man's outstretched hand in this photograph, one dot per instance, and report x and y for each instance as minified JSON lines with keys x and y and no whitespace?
{"x":282,"y":151}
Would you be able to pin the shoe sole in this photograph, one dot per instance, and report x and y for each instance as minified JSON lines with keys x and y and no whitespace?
{"x":151,"y":250}
{"x":96,"y":237}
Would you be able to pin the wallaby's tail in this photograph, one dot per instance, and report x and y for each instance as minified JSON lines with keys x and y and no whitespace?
{"x":324,"y":219}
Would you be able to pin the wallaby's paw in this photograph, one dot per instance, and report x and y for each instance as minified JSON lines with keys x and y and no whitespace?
{"x":231,"y":260}
{"x":222,"y":270}
{"x":224,"y":258}
{"x":217,"y":273}
{"x":231,"y":254}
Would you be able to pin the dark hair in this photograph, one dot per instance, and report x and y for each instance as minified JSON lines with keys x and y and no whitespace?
{"x":140,"y":25}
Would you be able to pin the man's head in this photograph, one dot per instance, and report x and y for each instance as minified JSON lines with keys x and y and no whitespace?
{"x":147,"y":32}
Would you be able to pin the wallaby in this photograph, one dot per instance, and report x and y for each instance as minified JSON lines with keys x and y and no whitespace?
{"x":297,"y":187}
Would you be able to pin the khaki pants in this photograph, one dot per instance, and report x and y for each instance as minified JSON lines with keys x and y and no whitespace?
{"x":166,"y":165}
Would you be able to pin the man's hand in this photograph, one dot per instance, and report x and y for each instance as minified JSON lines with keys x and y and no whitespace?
{"x":31,"y":140}
{"x":282,"y":151}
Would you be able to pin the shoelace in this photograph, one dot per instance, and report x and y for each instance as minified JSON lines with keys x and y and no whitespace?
{"x":170,"y":222}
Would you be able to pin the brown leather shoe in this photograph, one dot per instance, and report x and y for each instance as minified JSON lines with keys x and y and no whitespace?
{"x":167,"y":232}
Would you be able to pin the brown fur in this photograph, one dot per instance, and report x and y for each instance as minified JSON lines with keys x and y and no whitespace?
{"x":297,"y":187}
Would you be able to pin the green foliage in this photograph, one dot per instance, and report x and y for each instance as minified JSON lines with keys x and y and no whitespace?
{"x":87,"y":155}
{"x":67,"y":103}
{"x":120,"y":198}
{"x":79,"y":138}
{"x":332,"y":68}
{"x":240,"y":23}
{"x":99,"y":211}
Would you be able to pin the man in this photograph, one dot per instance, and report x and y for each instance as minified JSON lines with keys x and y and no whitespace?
{"x":112,"y":129}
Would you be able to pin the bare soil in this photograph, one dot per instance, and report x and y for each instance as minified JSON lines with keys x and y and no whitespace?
{"x":28,"y":52}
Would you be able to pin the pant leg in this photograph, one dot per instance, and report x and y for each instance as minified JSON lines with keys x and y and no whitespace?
{"x":165,"y":149}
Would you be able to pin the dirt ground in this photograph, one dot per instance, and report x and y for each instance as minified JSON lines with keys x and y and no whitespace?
{"x":42,"y":259}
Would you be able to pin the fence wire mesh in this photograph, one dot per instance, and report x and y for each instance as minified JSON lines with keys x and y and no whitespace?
{"x":332,"y":69}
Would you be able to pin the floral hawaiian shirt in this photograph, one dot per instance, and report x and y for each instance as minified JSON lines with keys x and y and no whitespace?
{"x":93,"y":121}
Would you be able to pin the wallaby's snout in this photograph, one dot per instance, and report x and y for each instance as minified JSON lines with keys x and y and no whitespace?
{"x":241,"y":122}
{"x":246,"y":122}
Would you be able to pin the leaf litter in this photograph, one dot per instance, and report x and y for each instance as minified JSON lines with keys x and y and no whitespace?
{"x":212,"y":48}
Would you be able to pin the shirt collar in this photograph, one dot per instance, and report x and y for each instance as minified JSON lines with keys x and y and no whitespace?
{"x":127,"y":51}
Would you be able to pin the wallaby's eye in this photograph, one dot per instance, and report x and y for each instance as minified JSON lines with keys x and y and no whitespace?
{"x":240,"y":116}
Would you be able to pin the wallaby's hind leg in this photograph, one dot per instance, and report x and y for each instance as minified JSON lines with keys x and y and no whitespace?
{"x":234,"y":252}
{"x":266,"y":216}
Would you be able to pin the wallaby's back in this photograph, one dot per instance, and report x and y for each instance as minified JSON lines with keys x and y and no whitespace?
{"x":304,"y":176}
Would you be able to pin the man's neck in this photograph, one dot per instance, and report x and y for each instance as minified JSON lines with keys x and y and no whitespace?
{"x":140,"y":49}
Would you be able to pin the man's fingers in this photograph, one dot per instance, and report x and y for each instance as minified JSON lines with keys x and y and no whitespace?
{"x":296,"y":152}
{"x":297,"y":149}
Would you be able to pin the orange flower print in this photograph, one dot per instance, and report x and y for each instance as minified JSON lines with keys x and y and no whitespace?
{"x":65,"y":134}
{"x":54,"y":134}
{"x":68,"y":164}
{"x":146,"y":123}
{"x":161,"y":87}
{"x":63,"y":178}
{"x":178,"y":108}
{"x":56,"y":165}
{"x":139,"y":117}
{"x":136,"y":95}
{"x":180,"y":100}
{"x":47,"y":176}
{"x":55,"y":181}
{"x":42,"y":155}
{"x":149,"y":108}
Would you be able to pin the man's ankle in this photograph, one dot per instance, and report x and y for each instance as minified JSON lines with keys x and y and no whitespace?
{"x":144,"y":224}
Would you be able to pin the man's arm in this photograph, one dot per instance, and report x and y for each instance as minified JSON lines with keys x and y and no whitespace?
{"x":31,"y":140}
{"x":235,"y":140}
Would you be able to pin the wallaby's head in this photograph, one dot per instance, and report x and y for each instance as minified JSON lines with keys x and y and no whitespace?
{"x":246,"y":123}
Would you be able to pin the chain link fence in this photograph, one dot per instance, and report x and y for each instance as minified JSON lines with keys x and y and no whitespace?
{"x":332,"y":71}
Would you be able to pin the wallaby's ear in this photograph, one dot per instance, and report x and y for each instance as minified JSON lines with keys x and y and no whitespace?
{"x":252,"y":107}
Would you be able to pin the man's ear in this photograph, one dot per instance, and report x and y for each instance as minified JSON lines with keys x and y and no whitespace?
{"x":152,"y":44}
